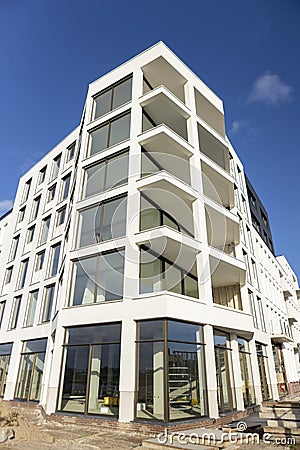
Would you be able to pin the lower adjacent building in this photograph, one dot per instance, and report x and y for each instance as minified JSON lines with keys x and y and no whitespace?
{"x":134,"y":283}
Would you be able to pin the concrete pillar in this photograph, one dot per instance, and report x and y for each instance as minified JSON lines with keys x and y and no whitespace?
{"x":211,"y":380}
{"x":127,"y":371}
{"x":12,"y":375}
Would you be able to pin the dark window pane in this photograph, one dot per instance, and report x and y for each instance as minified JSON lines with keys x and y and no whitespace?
{"x":102,"y":104}
{"x":180,"y":331}
{"x":150,"y":330}
{"x":99,"y":139}
{"x":95,"y":334}
{"x":120,"y":130}
{"x":122,"y":93}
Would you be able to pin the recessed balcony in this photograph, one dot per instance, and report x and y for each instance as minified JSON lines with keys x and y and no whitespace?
{"x":161,"y":107}
{"x":209,"y":113}
{"x":159,"y":72}
{"x":174,"y":198}
{"x":164,"y":150}
{"x":222,"y":229}
{"x":213,"y":148}
{"x":218,"y":186}
{"x":226,"y":270}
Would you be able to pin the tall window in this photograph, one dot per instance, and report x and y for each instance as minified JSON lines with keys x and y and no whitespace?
{"x":246,"y":372}
{"x":66,"y":187}
{"x":171,"y":382}
{"x":42,"y":175}
{"x":22,"y":274}
{"x":99,"y":278}
{"x":14,"y":248}
{"x":91,"y":370}
{"x":39,"y":262}
{"x":225,"y":381}
{"x":113,"y":97}
{"x":45,"y":230}
{"x":263,"y":367}
{"x":51,"y":193}
{"x":71,"y":152}
{"x":30,"y":377}
{"x":8,"y":275}
{"x":109,"y":134}
{"x":35,"y":207}
{"x":2,"y":307}
{"x":5,"y":352}
{"x":15,"y":310}
{"x":30,"y":234}
{"x":21,"y":214}
{"x":55,"y":252}
{"x":158,"y":274}
{"x":31,"y":308}
{"x":61,"y":215}
{"x":55,"y":167}
{"x":102,"y":222}
{"x":26,"y":191}
{"x":109,"y":173}
{"x":48,"y":303}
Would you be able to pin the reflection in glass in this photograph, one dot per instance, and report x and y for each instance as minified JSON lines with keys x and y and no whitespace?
{"x":117,"y":130}
{"x":5,"y":352}
{"x":112,"y":98}
{"x":225,"y":382}
{"x":246,"y":372}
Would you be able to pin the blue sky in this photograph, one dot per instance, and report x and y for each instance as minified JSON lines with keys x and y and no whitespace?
{"x":247,"y":52}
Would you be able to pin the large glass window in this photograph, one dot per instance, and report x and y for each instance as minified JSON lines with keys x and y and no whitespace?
{"x":246,"y":372}
{"x":55,"y":167}
{"x":5,"y":352}
{"x":225,"y":381}
{"x":171,"y":381}
{"x":157,"y":274}
{"x":112,"y":98}
{"x":111,"y":133}
{"x":109,"y":173}
{"x":99,"y":278}
{"x":90,"y":370}
{"x":102,"y":222}
{"x":31,"y":308}
{"x":31,"y":370}
{"x":26,"y":191}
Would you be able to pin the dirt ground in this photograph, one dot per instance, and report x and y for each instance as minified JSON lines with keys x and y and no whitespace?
{"x":42,"y":434}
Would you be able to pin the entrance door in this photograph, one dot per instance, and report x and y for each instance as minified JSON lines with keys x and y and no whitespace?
{"x":262,"y":361}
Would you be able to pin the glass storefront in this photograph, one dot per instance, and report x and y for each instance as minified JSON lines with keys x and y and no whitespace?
{"x":280,"y":369}
{"x":31,"y":370}
{"x":91,"y":370}
{"x":171,"y":382}
{"x":5,"y":352}
{"x":246,"y":372}
{"x":225,"y":381}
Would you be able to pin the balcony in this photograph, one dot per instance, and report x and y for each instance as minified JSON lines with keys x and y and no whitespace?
{"x":222,"y":229}
{"x":218,"y":185}
{"x":164,"y":150}
{"x":170,"y":195}
{"x":226,"y":270}
{"x":213,"y":148}
{"x":209,"y":113}
{"x":161,"y":107}
{"x":159,"y":72}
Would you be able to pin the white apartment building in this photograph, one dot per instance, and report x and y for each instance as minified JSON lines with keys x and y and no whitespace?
{"x":134,"y":284}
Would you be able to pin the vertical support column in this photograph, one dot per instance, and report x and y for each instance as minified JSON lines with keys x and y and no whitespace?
{"x":54,"y":378}
{"x":12,"y":375}
{"x":46,"y":371}
{"x":237,"y":376}
{"x":211,"y":380}
{"x":255,"y":373}
{"x":127,"y":371}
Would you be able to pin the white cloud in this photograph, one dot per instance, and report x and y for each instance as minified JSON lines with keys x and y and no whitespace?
{"x":5,"y":205}
{"x":237,"y":125}
{"x":269,"y":89}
